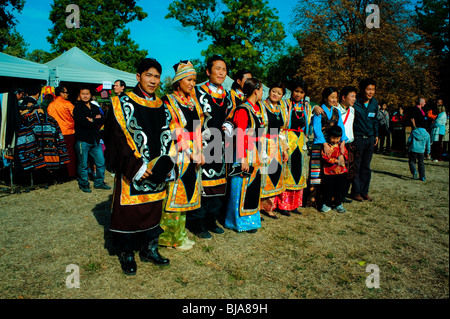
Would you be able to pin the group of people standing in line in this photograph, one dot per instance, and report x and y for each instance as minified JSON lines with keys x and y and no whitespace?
{"x":170,"y":161}
{"x":171,"y":169}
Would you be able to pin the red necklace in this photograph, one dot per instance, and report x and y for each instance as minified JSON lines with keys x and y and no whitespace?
{"x":301,"y":109}
{"x":189,"y":102}
{"x":222,"y":97}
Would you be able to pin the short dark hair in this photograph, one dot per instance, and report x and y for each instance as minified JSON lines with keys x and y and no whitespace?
{"x":335,"y":131}
{"x":211,"y":60}
{"x":122,"y":83}
{"x":33,"y":90}
{"x":59,"y":90}
{"x":18,"y":90}
{"x":238,"y":76}
{"x":84,"y":87}
{"x":148,"y":63}
{"x":346,"y":90}
{"x":280,"y":85}
{"x":298,"y":82}
{"x":364,"y":83}
{"x":251,"y":85}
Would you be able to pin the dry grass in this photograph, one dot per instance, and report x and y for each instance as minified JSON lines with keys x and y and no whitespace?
{"x":405,"y":231}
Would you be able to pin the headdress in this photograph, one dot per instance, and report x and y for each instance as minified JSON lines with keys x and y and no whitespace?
{"x":183,"y":70}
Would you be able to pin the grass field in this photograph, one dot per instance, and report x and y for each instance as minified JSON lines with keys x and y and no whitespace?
{"x":405,"y":232}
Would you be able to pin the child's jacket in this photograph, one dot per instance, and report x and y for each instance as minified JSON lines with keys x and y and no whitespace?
{"x":331,"y":164}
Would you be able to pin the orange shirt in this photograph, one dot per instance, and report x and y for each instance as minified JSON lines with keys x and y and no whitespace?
{"x":431,"y":115}
{"x":62,"y":111}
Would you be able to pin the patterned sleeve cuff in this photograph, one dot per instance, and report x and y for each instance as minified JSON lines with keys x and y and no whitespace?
{"x":141,"y":171}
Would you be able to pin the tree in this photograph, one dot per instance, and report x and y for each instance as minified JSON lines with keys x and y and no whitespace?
{"x":338,"y":48}
{"x":11,"y":42}
{"x":41,"y":56}
{"x":433,"y":19}
{"x":246,"y":33}
{"x":102,"y":33}
{"x":284,"y":67}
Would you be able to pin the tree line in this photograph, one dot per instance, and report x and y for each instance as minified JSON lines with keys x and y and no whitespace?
{"x":408,"y":55}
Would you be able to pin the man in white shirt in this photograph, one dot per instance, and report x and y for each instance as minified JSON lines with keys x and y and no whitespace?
{"x":347,"y":98}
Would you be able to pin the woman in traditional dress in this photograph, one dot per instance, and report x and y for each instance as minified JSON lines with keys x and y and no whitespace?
{"x":184,"y":193}
{"x":238,"y":85}
{"x":298,"y":118}
{"x":245,"y":177}
{"x":275,"y":146}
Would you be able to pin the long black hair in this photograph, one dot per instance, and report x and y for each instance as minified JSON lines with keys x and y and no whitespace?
{"x":250,"y":86}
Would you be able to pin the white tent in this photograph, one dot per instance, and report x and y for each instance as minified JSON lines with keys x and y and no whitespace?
{"x":11,"y":66}
{"x":76,"y":66}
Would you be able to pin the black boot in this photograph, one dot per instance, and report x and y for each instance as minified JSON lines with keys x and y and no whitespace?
{"x":149,"y":253}
{"x":128,"y":263}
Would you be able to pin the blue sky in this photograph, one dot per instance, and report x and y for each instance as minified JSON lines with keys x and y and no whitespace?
{"x":164,"y":39}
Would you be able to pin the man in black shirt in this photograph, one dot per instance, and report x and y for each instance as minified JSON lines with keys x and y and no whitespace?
{"x":365,"y":130}
{"x":119,"y":87}
{"x":88,"y":121}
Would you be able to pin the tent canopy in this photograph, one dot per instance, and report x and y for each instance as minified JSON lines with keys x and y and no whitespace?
{"x":76,"y":66}
{"x":11,"y":66}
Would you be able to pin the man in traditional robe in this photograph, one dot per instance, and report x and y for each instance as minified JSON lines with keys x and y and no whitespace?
{"x":216,"y":104}
{"x":137,"y":139}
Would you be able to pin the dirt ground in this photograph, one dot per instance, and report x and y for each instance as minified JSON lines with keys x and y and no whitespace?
{"x":404,"y":233}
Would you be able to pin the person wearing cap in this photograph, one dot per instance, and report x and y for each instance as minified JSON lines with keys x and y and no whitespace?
{"x":138,"y":141}
{"x":184,"y":194}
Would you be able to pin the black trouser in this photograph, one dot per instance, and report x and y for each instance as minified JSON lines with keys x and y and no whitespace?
{"x":345,"y":188}
{"x":384,"y":135}
{"x":413,"y":157}
{"x":206,"y":216}
{"x":332,"y":189}
{"x":363,"y":156}
{"x":128,"y":242}
{"x":436,"y":148}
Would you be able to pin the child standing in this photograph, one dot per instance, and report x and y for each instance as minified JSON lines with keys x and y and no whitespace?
{"x":334,"y":170}
{"x":418,"y":145}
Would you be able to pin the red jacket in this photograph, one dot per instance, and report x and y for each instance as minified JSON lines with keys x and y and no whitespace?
{"x":330,"y":163}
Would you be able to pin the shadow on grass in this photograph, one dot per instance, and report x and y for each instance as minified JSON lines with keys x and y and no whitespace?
{"x":102,"y":213}
{"x":392,"y":175}
{"x":405,"y":160}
